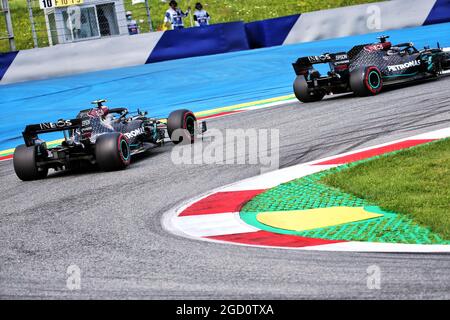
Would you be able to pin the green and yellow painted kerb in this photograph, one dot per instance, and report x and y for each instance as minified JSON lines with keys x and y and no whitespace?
{"x":222,"y":111}
{"x":310,"y":219}
{"x":308,"y":208}
{"x":7,"y":154}
{"x":243,"y":106}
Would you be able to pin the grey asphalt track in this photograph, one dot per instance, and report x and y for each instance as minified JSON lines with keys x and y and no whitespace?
{"x":109,"y":224}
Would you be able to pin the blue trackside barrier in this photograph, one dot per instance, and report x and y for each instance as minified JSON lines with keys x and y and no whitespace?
{"x":5,"y":61}
{"x":196,"y":42}
{"x":440,"y":13}
{"x":269,"y":33}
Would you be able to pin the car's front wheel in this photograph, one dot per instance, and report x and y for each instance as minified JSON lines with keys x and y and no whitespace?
{"x":25,"y":164}
{"x":366,"y":81}
{"x":181,"y":126}
{"x":112,"y":152}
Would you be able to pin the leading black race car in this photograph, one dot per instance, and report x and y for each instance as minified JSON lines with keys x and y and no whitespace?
{"x":366,"y":68}
{"x":100,"y":136}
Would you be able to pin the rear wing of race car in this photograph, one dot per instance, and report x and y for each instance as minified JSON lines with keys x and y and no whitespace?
{"x":304,"y":64}
{"x":30,"y":134}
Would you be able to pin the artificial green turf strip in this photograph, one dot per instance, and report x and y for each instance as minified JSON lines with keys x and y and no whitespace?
{"x":220,"y":11}
{"x":308,"y":193}
{"x":414,"y":182}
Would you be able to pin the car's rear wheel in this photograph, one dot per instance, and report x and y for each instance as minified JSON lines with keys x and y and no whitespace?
{"x":25,"y":164}
{"x":181,"y":126}
{"x":366,"y":81}
{"x":112,"y":151}
{"x":305,"y":94}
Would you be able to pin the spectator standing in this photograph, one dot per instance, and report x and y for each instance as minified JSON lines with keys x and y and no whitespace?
{"x":175,"y":16}
{"x":201,"y":17}
{"x":131,"y":23}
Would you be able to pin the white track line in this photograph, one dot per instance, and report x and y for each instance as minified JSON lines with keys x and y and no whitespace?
{"x":213,"y":224}
{"x":356,"y":246}
{"x":277,"y":177}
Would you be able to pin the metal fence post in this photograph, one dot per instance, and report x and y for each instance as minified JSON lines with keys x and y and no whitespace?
{"x":47,"y":26}
{"x":191,"y":19}
{"x":9,"y":27}
{"x":149,"y":17}
{"x":33,"y":25}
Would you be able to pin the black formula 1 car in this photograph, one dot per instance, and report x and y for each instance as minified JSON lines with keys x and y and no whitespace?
{"x":100,"y":136}
{"x":365,"y":69}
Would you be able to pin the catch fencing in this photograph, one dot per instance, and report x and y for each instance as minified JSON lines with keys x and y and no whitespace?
{"x":42,"y":23}
{"x":62,"y":21}
{"x":6,"y":30}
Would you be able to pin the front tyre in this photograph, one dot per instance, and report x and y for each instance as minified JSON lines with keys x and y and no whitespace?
{"x":25,"y":164}
{"x":366,"y":81}
{"x":181,"y":126}
{"x":112,"y":152}
{"x":303,"y":93}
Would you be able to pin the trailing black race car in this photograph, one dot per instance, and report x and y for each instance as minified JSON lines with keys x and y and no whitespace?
{"x":366,"y":68}
{"x":100,"y":136}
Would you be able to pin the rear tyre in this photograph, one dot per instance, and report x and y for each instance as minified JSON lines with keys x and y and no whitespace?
{"x":366,"y":81}
{"x":24,"y":161}
{"x":112,"y":152}
{"x":303,"y":93}
{"x":181,"y":126}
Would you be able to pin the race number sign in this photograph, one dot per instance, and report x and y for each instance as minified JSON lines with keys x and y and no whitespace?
{"x":46,"y":4}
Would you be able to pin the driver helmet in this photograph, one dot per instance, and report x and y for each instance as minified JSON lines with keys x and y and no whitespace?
{"x":101,"y":111}
{"x":104,"y":110}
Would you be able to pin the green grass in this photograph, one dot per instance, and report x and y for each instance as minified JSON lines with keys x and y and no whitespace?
{"x":414,"y":182}
{"x":220,"y":10}
{"x":22,"y":27}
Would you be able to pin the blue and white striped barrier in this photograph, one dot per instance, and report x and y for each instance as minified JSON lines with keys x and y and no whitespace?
{"x":367,"y":18}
